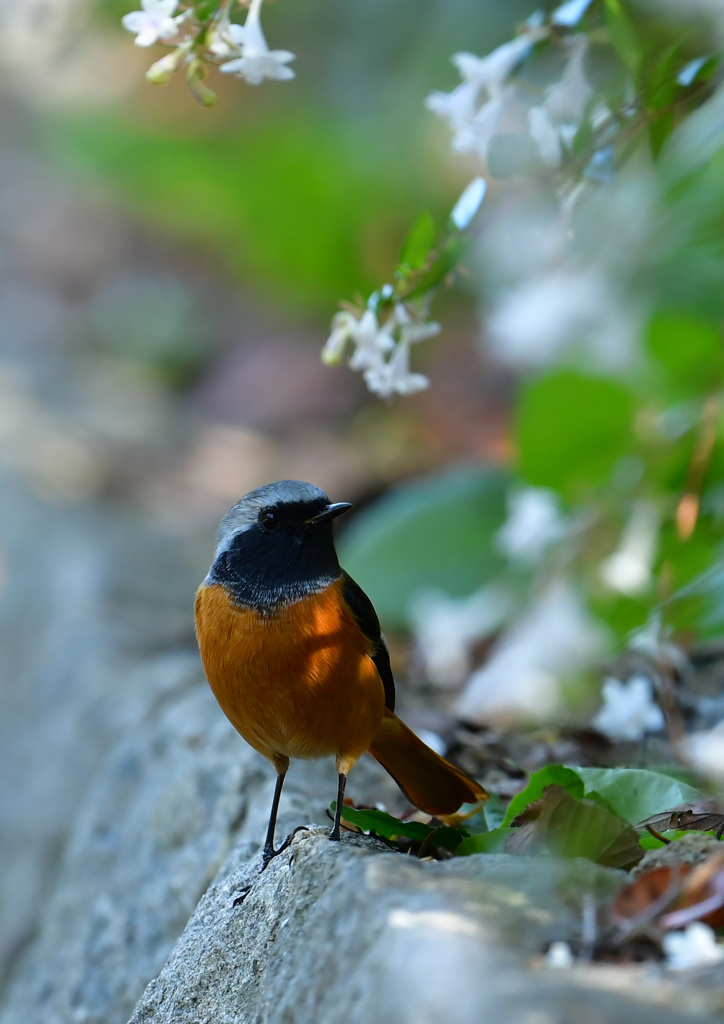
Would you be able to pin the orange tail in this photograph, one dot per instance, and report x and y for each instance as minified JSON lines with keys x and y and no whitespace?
{"x":428,"y":780}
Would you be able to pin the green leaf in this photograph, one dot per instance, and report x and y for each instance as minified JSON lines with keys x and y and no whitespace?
{"x":623,"y":35}
{"x":450,"y":255}
{"x":649,"y":842}
{"x":551,"y":775}
{"x":418,"y":243}
{"x":435,"y":532}
{"x":689,"y":348}
{"x":697,"y":140}
{"x":632,"y":794}
{"x":568,"y":827}
{"x":660,"y":130}
{"x":636,"y":793}
{"x":572,"y":430}
{"x":389,"y":827}
{"x":484,"y":842}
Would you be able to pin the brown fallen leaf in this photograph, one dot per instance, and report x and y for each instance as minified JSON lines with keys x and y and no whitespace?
{"x":672,"y":896}
{"x":649,"y":895}
{"x":702,"y":896}
{"x":704,"y":815}
{"x":568,"y":827}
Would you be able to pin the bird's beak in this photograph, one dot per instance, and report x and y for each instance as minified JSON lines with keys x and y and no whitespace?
{"x":329,"y":512}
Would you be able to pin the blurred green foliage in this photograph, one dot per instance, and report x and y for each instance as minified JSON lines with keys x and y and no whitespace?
{"x":436,"y":532}
{"x":305,"y":190}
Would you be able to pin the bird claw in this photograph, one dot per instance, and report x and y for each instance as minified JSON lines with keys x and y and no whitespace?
{"x":269,"y":855}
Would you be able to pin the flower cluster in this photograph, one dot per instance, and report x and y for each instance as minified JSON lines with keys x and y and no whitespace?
{"x":487,"y":97}
{"x":381,"y":352}
{"x":199,"y":40}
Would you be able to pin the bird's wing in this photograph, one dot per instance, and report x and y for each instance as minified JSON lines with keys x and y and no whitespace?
{"x":366,"y":618}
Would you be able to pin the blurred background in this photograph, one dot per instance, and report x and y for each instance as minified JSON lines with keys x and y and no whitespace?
{"x":168,"y":275}
{"x":167,"y":279}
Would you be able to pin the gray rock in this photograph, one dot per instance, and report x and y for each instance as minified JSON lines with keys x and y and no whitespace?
{"x":354,"y":934}
{"x":90,"y":598}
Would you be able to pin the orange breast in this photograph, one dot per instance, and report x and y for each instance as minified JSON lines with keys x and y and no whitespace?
{"x":299,"y":682}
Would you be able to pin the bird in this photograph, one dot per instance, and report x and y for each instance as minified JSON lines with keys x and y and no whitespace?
{"x":294,"y":654}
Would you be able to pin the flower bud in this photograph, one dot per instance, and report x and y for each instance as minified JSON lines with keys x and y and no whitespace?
{"x":160,"y":72}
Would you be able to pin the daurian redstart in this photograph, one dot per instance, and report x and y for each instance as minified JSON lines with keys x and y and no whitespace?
{"x":293,"y":651}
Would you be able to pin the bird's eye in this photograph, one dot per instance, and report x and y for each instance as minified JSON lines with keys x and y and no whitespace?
{"x":269,"y":519}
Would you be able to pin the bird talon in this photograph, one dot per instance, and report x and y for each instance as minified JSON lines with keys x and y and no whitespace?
{"x":269,"y":854}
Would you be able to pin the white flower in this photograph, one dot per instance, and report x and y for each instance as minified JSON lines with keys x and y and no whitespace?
{"x":559,"y":955}
{"x":492,"y":71}
{"x":468,"y":204}
{"x":344,"y":325}
{"x":705,"y":752}
{"x":257,"y":61}
{"x":544,"y":132}
{"x":534,"y":522}
{"x":629,"y":569}
{"x":629,"y":710}
{"x":535,"y":324}
{"x":372,"y":343}
{"x":458,"y":106}
{"x":474,"y":135}
{"x":446,"y":628}
{"x":557,"y":119}
{"x":555,"y":638}
{"x":566,"y":100}
{"x":226,"y":38}
{"x":653,"y":642}
{"x":474,"y":120}
{"x":153,"y":22}
{"x":411,"y":330}
{"x":394,"y":376}
{"x":695,"y":947}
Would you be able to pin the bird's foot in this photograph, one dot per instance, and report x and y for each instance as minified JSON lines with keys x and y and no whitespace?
{"x":270,"y":853}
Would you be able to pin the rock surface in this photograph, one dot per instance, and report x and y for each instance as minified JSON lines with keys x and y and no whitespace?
{"x":119,"y":756}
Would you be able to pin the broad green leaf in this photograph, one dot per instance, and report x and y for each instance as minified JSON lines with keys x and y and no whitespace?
{"x":633,"y":794}
{"x":572,"y":430}
{"x":434,"y":532}
{"x":688,"y":347}
{"x":563,"y":825}
{"x":389,"y":827}
{"x":418,"y":243}
{"x":636,"y":793}
{"x":550,"y":775}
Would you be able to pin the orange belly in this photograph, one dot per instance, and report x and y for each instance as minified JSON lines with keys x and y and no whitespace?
{"x":297,"y":683}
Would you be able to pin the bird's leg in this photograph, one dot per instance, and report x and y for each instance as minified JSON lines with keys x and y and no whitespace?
{"x":269,"y":853}
{"x":334,"y":834}
{"x":269,"y":850}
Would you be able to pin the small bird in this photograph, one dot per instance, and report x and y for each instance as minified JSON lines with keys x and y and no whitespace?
{"x":293,"y":651}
